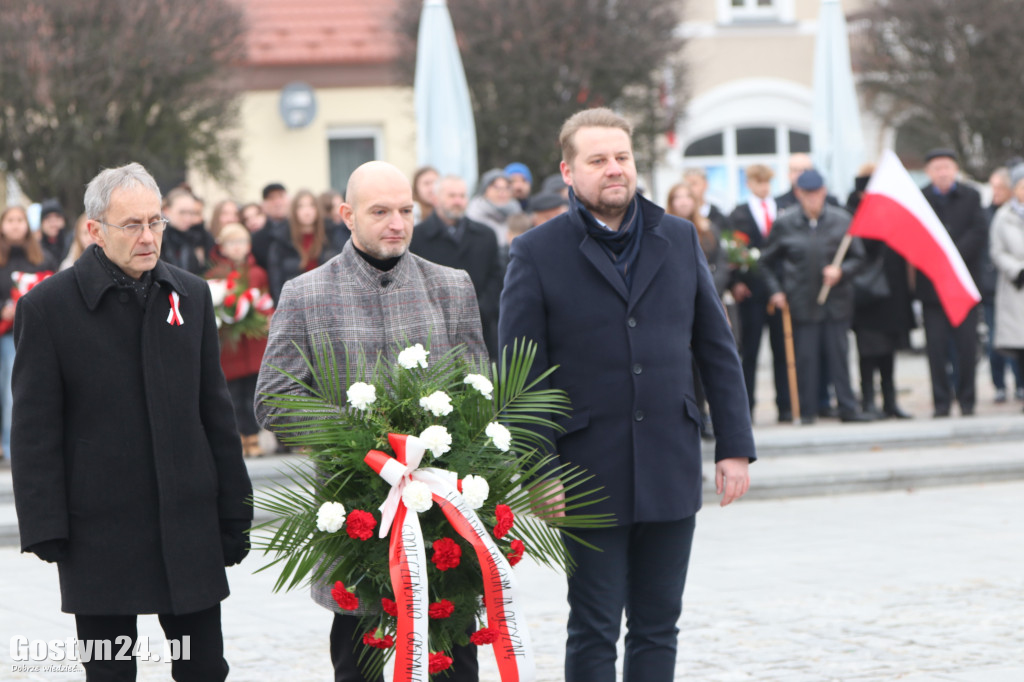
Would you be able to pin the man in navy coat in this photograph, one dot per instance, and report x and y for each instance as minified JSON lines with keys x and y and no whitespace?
{"x":619,"y":296}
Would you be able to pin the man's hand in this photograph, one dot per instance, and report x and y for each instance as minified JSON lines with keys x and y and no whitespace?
{"x":740,"y":292}
{"x":552,"y":505}
{"x":732,"y":478}
{"x":831,"y":274}
{"x":7,"y":312}
{"x":778,"y":302}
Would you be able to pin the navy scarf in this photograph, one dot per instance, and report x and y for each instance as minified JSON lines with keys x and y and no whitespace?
{"x":622,"y":246}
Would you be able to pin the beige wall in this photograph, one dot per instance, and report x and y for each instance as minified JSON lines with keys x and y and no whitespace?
{"x":270,"y":151}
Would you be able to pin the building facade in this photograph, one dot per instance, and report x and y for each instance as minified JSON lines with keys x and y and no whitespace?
{"x":751,"y":65}
{"x":320,"y":95}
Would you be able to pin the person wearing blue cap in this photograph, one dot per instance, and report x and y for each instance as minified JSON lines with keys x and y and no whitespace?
{"x":520,"y":181}
{"x":795,"y":264}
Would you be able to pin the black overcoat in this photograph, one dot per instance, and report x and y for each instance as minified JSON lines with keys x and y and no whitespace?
{"x":476,"y":253}
{"x":126,"y":442}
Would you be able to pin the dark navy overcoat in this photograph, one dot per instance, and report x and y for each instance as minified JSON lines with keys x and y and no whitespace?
{"x":625,"y":357}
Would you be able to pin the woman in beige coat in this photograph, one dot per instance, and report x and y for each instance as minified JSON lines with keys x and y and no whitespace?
{"x":1007,"y":250}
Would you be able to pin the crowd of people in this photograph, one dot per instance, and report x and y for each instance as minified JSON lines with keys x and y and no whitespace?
{"x":793,"y":238}
{"x":788,"y":248}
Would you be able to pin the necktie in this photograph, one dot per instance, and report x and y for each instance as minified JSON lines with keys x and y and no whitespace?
{"x":767,"y":218}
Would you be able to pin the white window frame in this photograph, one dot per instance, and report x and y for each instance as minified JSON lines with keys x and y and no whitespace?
{"x":780,"y":11}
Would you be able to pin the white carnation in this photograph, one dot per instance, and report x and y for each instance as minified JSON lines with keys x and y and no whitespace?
{"x":480,"y":383}
{"x":437,"y":403}
{"x":413,"y":356}
{"x":437,"y":440}
{"x":755,"y":253}
{"x":417,"y":496}
{"x":218,"y":290}
{"x":361,"y":395}
{"x":330,"y":517}
{"x":499,"y":435}
{"x":475,"y":491}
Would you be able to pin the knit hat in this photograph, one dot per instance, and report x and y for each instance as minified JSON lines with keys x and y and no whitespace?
{"x":517,"y":168}
{"x":488,"y":179}
{"x":50,"y":206}
{"x":1016,"y":175}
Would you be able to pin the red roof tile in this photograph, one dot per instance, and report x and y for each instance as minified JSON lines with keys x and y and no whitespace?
{"x":297,"y":32}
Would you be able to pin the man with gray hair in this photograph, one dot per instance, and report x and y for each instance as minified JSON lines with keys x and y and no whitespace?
{"x":129,"y":474}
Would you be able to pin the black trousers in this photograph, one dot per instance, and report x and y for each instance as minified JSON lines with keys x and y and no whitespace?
{"x":885,"y":364}
{"x":939,"y":334}
{"x":243,"y":395}
{"x":347,"y":647}
{"x":810,"y":341}
{"x":753,"y":318}
{"x":642,"y":570}
{"x":205,"y":655}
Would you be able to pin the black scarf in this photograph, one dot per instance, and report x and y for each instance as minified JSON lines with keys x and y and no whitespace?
{"x":623,"y":245}
{"x":140,"y":287}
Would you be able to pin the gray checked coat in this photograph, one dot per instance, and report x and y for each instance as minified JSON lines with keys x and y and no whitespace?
{"x":360,"y":308}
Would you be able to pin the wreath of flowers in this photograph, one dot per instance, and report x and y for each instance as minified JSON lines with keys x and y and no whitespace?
{"x":479,"y":424}
{"x":240,"y":310}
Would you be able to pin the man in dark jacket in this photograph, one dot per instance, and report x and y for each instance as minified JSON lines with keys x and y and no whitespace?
{"x":754,"y":218}
{"x":54,"y":236}
{"x":959,"y":208}
{"x":186,"y":244}
{"x":129,"y":472}
{"x":619,"y":296}
{"x":449,"y":238}
{"x":795,"y":264}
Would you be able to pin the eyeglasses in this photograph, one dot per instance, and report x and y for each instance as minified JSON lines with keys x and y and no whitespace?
{"x":135,"y":229}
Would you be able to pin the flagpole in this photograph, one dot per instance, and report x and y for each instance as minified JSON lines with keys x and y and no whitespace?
{"x":836,"y":262}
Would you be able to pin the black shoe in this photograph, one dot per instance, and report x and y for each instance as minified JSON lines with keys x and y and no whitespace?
{"x":828,"y":413}
{"x":785,"y":417}
{"x":897,"y":413}
{"x":967,"y":410}
{"x":807,"y":420}
{"x":940,"y":414}
{"x":856,"y":417}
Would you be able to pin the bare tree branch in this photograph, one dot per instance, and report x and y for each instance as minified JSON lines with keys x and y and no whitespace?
{"x":88,"y":84}
{"x":531,"y":64}
{"x":951,"y":70}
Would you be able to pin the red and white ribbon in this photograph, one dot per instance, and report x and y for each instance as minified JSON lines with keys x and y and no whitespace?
{"x":174,"y":316}
{"x":407,"y":559}
{"x":25,"y":281}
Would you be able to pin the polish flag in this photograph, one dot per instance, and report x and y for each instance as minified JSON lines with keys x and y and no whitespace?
{"x":895,"y":211}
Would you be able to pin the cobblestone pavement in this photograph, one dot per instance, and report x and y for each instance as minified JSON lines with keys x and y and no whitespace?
{"x":917,"y":586}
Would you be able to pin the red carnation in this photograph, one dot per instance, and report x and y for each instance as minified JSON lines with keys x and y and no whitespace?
{"x":230,"y":299}
{"x":484,"y":636}
{"x":359,"y":524}
{"x":447,"y":554}
{"x":344,"y":597}
{"x":516,"y":555}
{"x":441,"y":609}
{"x":505,"y":520}
{"x":389,"y":606}
{"x":371,"y":639}
{"x":438,"y":662}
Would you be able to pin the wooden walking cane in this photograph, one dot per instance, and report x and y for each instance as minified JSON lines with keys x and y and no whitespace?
{"x":787,"y":333}
{"x":837,"y":262}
